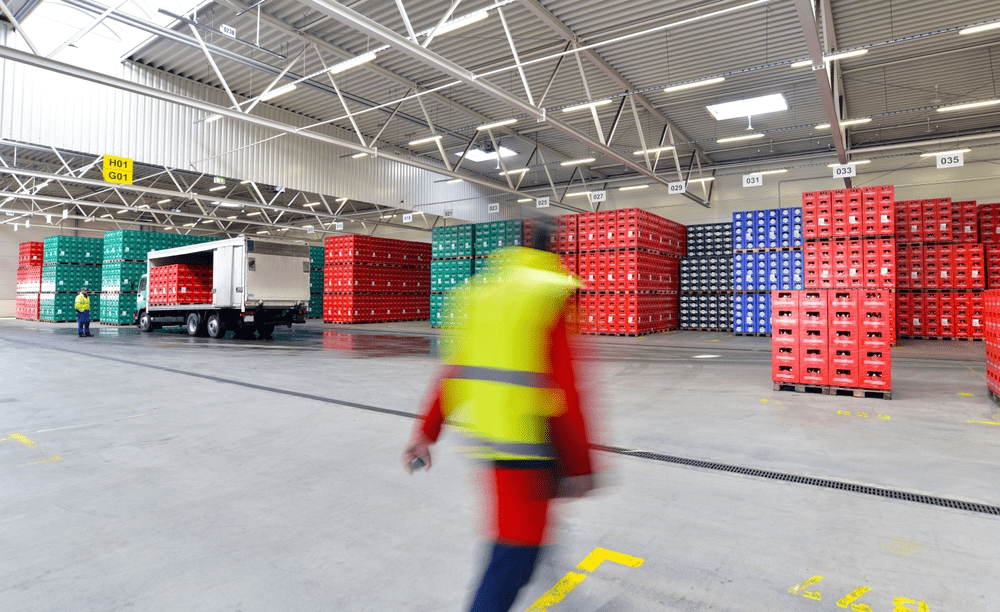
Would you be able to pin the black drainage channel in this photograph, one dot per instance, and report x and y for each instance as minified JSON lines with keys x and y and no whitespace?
{"x":807,"y":480}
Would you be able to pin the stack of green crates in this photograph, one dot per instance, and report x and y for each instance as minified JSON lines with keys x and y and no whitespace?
{"x":121,"y":276}
{"x":454,"y":241}
{"x":71,"y":263}
{"x":446,"y":274}
{"x":317,"y":259}
{"x":452,"y":249}
{"x":118,"y":308}
{"x":497,"y":234}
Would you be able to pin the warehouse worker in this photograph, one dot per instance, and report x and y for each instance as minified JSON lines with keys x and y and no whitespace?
{"x":82,"y":305}
{"x":508,"y":378}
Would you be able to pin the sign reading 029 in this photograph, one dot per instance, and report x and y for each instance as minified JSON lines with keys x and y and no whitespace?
{"x":678,"y":187}
{"x":118,"y":170}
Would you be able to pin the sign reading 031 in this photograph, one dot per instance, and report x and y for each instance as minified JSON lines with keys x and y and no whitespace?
{"x":118,"y":170}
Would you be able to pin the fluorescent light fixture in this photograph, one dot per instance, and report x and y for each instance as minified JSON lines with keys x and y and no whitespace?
{"x":421,"y":141}
{"x":219,"y":188}
{"x":207,"y":221}
{"x":986,"y":27}
{"x":359,"y":155}
{"x":858,"y":162}
{"x":245,"y":182}
{"x":274,"y":93}
{"x":517,"y":171}
{"x":633,"y":187}
{"x":213,"y":118}
{"x":311,"y":204}
{"x":166,"y":201}
{"x":231,"y":218}
{"x":122,"y":211}
{"x":748,"y":107}
{"x":577,"y":194}
{"x":490,"y":126}
{"x":478,"y":155}
{"x":461,"y":22}
{"x":826,"y":126}
{"x":831,"y":58}
{"x":782,"y":171}
{"x":961,"y":107}
{"x":455,"y":181}
{"x":88,"y":219}
{"x":102,"y":216}
{"x":707,"y":179}
{"x":524,"y":200}
{"x":570,"y":109}
{"x":577,"y":162}
{"x":739,"y":138}
{"x":653,"y":151}
{"x":253,"y":214}
{"x":351,"y":63}
{"x":263,"y":232}
{"x":227,"y":205}
{"x":945,"y":153}
{"x":694,"y":84}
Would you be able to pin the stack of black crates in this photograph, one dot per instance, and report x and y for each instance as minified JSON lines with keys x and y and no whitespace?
{"x":706,"y":278}
{"x":316,"y":263}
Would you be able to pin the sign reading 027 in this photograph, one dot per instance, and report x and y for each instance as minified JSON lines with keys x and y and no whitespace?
{"x":118,"y":170}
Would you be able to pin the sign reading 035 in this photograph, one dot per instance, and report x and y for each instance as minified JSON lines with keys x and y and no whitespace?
{"x":118,"y":170}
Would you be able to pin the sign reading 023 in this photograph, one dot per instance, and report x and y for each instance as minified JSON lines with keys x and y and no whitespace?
{"x":118,"y":170}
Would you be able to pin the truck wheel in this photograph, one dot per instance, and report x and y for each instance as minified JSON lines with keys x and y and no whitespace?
{"x":195,"y":326}
{"x":265,"y":331}
{"x":145,"y":322}
{"x":215,"y":326}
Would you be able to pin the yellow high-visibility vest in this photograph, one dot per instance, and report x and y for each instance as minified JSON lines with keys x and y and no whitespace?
{"x":82,"y":303}
{"x":502,"y":391}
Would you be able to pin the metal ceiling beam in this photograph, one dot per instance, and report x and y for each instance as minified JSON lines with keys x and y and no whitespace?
{"x":401,"y":44}
{"x":810,"y":31}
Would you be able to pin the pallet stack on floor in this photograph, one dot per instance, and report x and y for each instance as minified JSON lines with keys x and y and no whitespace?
{"x":375,"y":280}
{"x":836,"y":336}
{"x":629,"y":262}
{"x":71,"y":263}
{"x":30,"y":259}
{"x":453,"y":250}
{"x":316,"y":265}
{"x":706,"y":278}
{"x":767,"y":256}
{"x":991,"y":329}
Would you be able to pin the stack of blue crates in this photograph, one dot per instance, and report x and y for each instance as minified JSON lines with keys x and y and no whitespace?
{"x":767,"y":256}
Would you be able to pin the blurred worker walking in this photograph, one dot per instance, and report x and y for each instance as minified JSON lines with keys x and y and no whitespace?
{"x":82,"y":305}
{"x":508,"y":379}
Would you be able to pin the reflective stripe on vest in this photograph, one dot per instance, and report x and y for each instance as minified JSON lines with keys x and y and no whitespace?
{"x":520,"y":378}
{"x":524,"y":449}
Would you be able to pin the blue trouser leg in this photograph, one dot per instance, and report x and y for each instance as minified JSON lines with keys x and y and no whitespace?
{"x":509,"y":569}
{"x":79,"y":322}
{"x":83,"y":322}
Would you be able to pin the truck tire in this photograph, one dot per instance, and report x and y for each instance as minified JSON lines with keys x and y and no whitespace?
{"x":145,"y":322}
{"x":265,"y":331}
{"x":216,"y":328}
{"x":195,"y":324}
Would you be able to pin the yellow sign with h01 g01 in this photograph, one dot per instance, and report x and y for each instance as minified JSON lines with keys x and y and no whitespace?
{"x":118,"y":170}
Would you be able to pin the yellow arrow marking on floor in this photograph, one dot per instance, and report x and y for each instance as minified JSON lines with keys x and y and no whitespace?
{"x":863,"y":415}
{"x":570,"y":581}
{"x":844,"y":412}
{"x":884,"y":417}
{"x":20,"y":438}
{"x":899,"y":605}
{"x":966,"y":395}
{"x":853,"y":596}
{"x":983,"y":422}
{"x":799,"y":589}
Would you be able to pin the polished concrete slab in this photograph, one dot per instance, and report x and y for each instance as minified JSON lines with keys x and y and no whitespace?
{"x":162,"y":472}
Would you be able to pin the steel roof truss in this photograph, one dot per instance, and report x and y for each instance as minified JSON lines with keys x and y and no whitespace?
{"x":517,"y":59}
{"x":17,"y":27}
{"x":215,"y":68}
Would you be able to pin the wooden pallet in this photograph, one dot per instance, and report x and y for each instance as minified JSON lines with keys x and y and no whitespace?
{"x":945,"y":338}
{"x":753,"y":335}
{"x":869,"y":393}
{"x":800,"y":388}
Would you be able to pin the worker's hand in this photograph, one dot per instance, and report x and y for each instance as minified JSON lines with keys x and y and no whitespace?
{"x":418,"y":447}
{"x":575,"y":486}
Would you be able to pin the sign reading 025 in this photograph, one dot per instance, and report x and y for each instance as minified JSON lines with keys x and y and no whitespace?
{"x":118,"y":170}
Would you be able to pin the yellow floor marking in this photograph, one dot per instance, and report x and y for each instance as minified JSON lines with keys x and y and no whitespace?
{"x":853,"y":596}
{"x":844,"y":412}
{"x":600,"y":555}
{"x":966,"y":395}
{"x":557,"y":593}
{"x":778,"y":404}
{"x":983,"y":422}
{"x":799,"y":589}
{"x":975,"y":372}
{"x":50,"y":460}
{"x":763,"y":401}
{"x":899,"y":605}
{"x":901,"y":547}
{"x":863,"y":415}
{"x":884,"y":417}
{"x":20,"y":438}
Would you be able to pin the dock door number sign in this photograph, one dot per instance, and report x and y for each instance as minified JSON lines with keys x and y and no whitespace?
{"x":118,"y":170}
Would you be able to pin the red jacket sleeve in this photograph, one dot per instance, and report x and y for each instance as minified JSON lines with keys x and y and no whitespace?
{"x":433,"y":417}
{"x":569,"y":429}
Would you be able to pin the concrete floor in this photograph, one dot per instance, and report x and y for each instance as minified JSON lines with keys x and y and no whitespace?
{"x":142,"y":480}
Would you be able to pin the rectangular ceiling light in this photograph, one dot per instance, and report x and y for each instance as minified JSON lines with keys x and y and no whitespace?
{"x":263,"y":232}
{"x":633,"y":187}
{"x":421,"y":141}
{"x":219,"y":188}
{"x":461,"y":22}
{"x":478,"y":155}
{"x":748,"y":107}
{"x":190,"y":224}
{"x":858,"y":162}
{"x":518,"y":171}
{"x":986,"y":27}
{"x":577,"y":194}
{"x":245,"y":182}
{"x":694,"y":84}
{"x":961,"y":107}
{"x":253,"y":214}
{"x":359,"y":155}
{"x":274,"y":93}
{"x":524,"y":200}
{"x":739,"y":138}
{"x":782,"y":171}
{"x":207,"y":221}
{"x":653,"y":151}
{"x":702,"y":180}
{"x":167,"y":201}
{"x":311,"y":204}
{"x":490,"y":126}
{"x":826,"y":126}
{"x":577,"y":162}
{"x":455,"y":181}
{"x":945,"y":153}
{"x":570,"y":109}
{"x":831,"y":58}
{"x":351,"y":63}
{"x":213,"y":118}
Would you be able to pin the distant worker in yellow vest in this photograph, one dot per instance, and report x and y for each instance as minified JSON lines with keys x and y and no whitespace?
{"x":82,"y":305}
{"x":509,"y":381}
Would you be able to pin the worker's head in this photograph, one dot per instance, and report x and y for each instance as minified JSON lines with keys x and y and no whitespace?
{"x":83,"y":291}
{"x":542,"y":237}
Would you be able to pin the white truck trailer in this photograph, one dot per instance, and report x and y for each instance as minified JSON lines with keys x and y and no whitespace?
{"x":256,"y":285}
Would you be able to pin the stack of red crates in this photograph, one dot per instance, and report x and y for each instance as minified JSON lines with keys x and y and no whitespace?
{"x":29,"y":280}
{"x":989,"y":232}
{"x":838,"y":338}
{"x":180,"y":284}
{"x":375,"y":280}
{"x":845,"y":213}
{"x":855,"y":262}
{"x":629,"y":262}
{"x":991,"y":310}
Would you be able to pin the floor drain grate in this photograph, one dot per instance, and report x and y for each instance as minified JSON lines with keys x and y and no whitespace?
{"x":807,"y":480}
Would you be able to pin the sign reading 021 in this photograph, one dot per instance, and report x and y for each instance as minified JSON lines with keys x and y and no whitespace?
{"x":118,"y":170}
